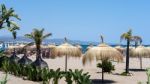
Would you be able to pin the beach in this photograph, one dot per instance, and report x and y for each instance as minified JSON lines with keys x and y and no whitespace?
{"x":76,"y":63}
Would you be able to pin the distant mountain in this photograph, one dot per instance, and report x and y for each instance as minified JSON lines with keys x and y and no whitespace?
{"x":57,"y":41}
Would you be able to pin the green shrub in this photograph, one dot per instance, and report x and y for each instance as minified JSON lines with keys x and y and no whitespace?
{"x":79,"y":77}
{"x":148,"y":75}
{"x":45,"y":75}
{"x":106,"y":65}
{"x":3,"y":59}
{"x":57,"y":75}
{"x":68,"y":77}
{"x":4,"y":81}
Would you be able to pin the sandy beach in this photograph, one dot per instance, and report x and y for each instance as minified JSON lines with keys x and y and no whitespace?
{"x":76,"y":63}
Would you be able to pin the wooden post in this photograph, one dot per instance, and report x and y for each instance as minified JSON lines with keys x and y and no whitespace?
{"x":65,"y":63}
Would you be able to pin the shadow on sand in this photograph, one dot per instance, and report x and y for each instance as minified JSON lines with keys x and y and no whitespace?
{"x":137,"y":70}
{"x":99,"y":81}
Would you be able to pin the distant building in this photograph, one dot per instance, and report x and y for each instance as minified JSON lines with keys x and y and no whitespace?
{"x":2,"y":46}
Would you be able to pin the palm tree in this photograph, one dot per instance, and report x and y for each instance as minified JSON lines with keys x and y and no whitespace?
{"x":10,"y":25}
{"x":38,"y":36}
{"x":6,"y":22}
{"x":137,"y":40}
{"x":127,"y":36}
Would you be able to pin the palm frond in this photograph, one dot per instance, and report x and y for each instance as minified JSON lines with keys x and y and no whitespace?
{"x":42,"y":30}
{"x":127,"y":35}
{"x":46,"y":35}
{"x":30,"y":36}
{"x":3,"y":8}
{"x":12,"y":24}
{"x":123,"y":36}
{"x":15,"y":16}
{"x":137,"y":39}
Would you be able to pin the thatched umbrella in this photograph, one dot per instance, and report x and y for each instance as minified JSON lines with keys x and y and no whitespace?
{"x":44,"y":47}
{"x":120,"y":49}
{"x":78,"y":46}
{"x":51,"y":45}
{"x":66,"y":50}
{"x":90,"y":46}
{"x":50,"y":51}
{"x":12,"y":47}
{"x":102,"y":52}
{"x":21,"y":45}
{"x":140,"y":52}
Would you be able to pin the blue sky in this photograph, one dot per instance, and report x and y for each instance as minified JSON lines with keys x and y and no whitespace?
{"x":84,"y":19}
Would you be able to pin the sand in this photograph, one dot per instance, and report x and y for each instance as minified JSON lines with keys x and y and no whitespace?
{"x":76,"y":63}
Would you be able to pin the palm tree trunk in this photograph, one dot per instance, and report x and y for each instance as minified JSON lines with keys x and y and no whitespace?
{"x":102,"y":73}
{"x":136,"y":44}
{"x":1,"y":24}
{"x":38,"y":51}
{"x":140,"y":62}
{"x":127,"y":56}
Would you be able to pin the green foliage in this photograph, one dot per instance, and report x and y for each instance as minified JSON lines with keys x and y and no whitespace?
{"x":79,"y":77}
{"x":5,"y":65}
{"x":4,"y":81}
{"x":2,"y":60}
{"x":1,"y":53}
{"x":140,"y":82}
{"x":126,"y":74}
{"x":38,"y":36}
{"x":56,"y":75}
{"x":45,"y":75}
{"x":106,"y":65}
{"x":68,"y":77}
{"x":148,"y":75}
{"x":127,"y":35}
{"x":5,"y":19}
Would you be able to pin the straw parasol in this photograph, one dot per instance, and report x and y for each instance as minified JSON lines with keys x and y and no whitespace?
{"x":120,"y":49}
{"x":90,"y":46}
{"x":78,"y":46}
{"x":21,"y":45}
{"x":12,"y":47}
{"x":44,"y":47}
{"x":50,"y":51}
{"x":66,"y":50}
{"x":140,"y":52}
{"x":51,"y":46}
{"x":102,"y":52}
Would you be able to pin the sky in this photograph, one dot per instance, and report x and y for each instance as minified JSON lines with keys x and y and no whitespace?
{"x":83,"y":20}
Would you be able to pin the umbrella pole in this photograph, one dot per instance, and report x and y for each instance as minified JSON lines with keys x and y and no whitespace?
{"x":102,"y":73}
{"x":65,"y":63}
{"x":140,"y":62}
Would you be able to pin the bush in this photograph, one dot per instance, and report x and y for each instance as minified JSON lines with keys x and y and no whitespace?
{"x":148,"y":75}
{"x":45,"y":75}
{"x":106,"y":65}
{"x":4,"y":81}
